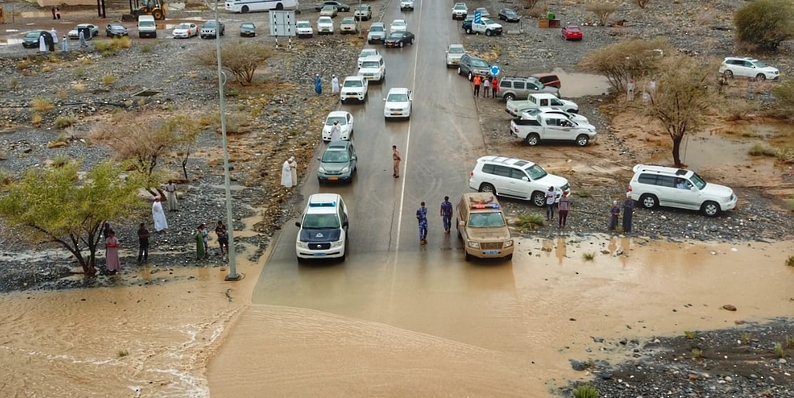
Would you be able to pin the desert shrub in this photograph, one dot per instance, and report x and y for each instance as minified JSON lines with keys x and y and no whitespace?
{"x":697,"y":353}
{"x":784,"y":93}
{"x":642,"y":3}
{"x":147,"y":48}
{"x":583,"y":193}
{"x":602,"y":11}
{"x":108,"y":79}
{"x":528,"y":221}
{"x":6,"y":176}
{"x":779,"y":350}
{"x":24,"y":64}
{"x":530,"y":4}
{"x":241,"y":58}
{"x":585,"y":391}
{"x":106,"y":48}
{"x":738,"y":109}
{"x":123,"y":353}
{"x":764,"y":24}
{"x":690,"y":335}
{"x":60,"y":161}
{"x":79,"y":72}
{"x":65,"y":121}
{"x":745,"y":338}
{"x":41,"y":104}
{"x":86,"y":61}
{"x":790,"y":261}
{"x":121,"y":42}
{"x":35,"y":119}
{"x":12,"y":83}
{"x":589,"y":256}
{"x":789,"y":340}
{"x":621,"y":61}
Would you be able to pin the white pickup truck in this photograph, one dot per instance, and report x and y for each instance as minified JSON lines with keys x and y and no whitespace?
{"x":551,"y":127}
{"x":486,"y":27}
{"x":516,"y":108}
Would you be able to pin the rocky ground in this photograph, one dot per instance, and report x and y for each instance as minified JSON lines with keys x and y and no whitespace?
{"x":273,"y":121}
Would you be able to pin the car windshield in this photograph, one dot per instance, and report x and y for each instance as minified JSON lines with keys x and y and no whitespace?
{"x":377,"y":28}
{"x":367,"y":52}
{"x":209,"y":24}
{"x":369,"y":64}
{"x":335,"y":157}
{"x":330,"y":121}
{"x":398,"y":23}
{"x":353,"y":83}
{"x":509,"y":12}
{"x":328,"y":8}
{"x":573,"y":28}
{"x":349,"y":20}
{"x":699,"y":182}
{"x":320,"y":221}
{"x":535,"y":172}
{"x":478,"y":63}
{"x":396,"y":35}
{"x":247,"y":26}
{"x":33,"y":34}
{"x":116,"y":26}
{"x":183,"y":26}
{"x":486,"y":21}
{"x":485,"y":220}
{"x":362,"y":8}
{"x":397,"y":98}
{"x":460,"y":6}
{"x":325,"y":20}
{"x":759,"y":64}
{"x":304,"y":25}
{"x":456,"y":50}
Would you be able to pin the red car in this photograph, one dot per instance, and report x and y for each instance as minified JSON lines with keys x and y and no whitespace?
{"x":572,"y":32}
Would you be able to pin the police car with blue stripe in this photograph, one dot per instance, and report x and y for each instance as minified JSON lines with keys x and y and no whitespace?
{"x":323,"y":228}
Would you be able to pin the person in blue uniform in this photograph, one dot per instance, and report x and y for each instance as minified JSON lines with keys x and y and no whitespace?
{"x":446,"y":214}
{"x":421,"y":217}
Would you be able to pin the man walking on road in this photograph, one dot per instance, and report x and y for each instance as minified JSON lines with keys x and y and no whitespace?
{"x":421,"y":217}
{"x":395,"y":155}
{"x":446,"y":214}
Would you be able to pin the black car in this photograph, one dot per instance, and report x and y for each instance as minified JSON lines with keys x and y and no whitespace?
{"x":31,"y":39}
{"x":509,"y":15}
{"x":339,"y":6}
{"x":466,"y":25}
{"x":116,"y":30}
{"x":247,"y":29}
{"x":399,"y":39}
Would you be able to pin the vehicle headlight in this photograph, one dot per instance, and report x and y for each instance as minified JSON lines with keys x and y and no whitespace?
{"x":508,"y":243}
{"x":321,"y":169}
{"x":473,"y":244}
{"x":338,"y":243}
{"x":345,"y":169}
{"x":302,"y":245}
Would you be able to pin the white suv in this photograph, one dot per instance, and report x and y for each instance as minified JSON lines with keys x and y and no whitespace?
{"x":373,"y":68}
{"x":515,"y":178}
{"x":748,"y":67}
{"x":354,"y":88}
{"x":323,"y":228}
{"x":398,"y":103}
{"x":654,"y":186}
{"x":407,"y":5}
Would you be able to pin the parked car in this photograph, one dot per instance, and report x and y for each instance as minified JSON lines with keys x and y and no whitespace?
{"x":748,"y":67}
{"x":339,"y":6}
{"x":345,"y":120}
{"x":548,"y":79}
{"x":517,"y":87}
{"x":304,"y":29}
{"x":407,"y":5}
{"x":399,"y":39}
{"x":453,"y":54}
{"x":653,"y":186}
{"x":466,"y":24}
{"x":485,"y":26}
{"x":459,"y":11}
{"x":470,"y":65}
{"x":373,"y":68}
{"x":211,"y":29}
{"x":509,"y":15}
{"x":74,"y":35}
{"x":247,"y":29}
{"x":483,"y":12}
{"x":398,"y":25}
{"x":328,"y":11}
{"x":31,"y":39}
{"x":325,"y":25}
{"x":363,"y":12}
{"x":551,"y":127}
{"x":481,"y":225}
{"x":185,"y":30}
{"x":323,"y":228}
{"x":365,"y":53}
{"x":354,"y":88}
{"x":571,"y":32}
{"x":348,"y":25}
{"x":377,"y":33}
{"x":338,"y":163}
{"x":399,"y":103}
{"x":516,"y":178}
{"x":116,"y":29}
{"x":540,"y":100}
{"x":532,"y":112}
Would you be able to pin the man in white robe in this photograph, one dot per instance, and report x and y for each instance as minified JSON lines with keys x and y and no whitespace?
{"x":286,"y":175}
{"x":42,"y":44}
{"x":293,"y":168}
{"x":335,"y":85}
{"x":54,"y":34}
{"x":336,"y":132}
{"x":160,"y":224}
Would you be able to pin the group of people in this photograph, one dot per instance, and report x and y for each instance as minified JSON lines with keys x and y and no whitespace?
{"x":446,"y":217}
{"x":318,"y":84}
{"x":289,"y":173}
{"x":202,"y":240}
{"x":646,"y":95}
{"x":489,"y":84}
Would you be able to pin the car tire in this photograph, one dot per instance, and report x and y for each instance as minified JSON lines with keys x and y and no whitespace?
{"x":466,"y":255}
{"x":509,"y":257}
{"x":486,"y":187}
{"x":471,"y":76}
{"x":244,"y":10}
{"x":300,"y":260}
{"x":649,"y":201}
{"x":412,"y":41}
{"x":460,"y":72}
{"x":532,"y":139}
{"x":728,"y":74}
{"x":402,"y":44}
{"x":538,"y":198}
{"x":582,"y":140}
{"x":710,"y":209}
{"x":488,"y":32}
{"x":468,"y":31}
{"x":760,"y":77}
{"x":509,"y":97}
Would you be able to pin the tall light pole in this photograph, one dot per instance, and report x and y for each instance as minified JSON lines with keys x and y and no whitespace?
{"x":360,"y":21}
{"x":233,"y":275}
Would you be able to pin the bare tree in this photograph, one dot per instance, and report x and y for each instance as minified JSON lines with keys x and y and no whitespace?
{"x":621,"y":61}
{"x":602,"y":11}
{"x":681,"y":98}
{"x":642,"y":3}
{"x":530,"y":4}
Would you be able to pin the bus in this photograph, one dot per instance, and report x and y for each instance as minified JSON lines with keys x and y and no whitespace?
{"x":245,"y":6}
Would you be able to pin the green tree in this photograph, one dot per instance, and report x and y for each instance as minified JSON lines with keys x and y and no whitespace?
{"x":621,"y":61}
{"x":764,"y":24}
{"x":55,"y":205}
{"x":241,"y":58}
{"x":682,"y":98}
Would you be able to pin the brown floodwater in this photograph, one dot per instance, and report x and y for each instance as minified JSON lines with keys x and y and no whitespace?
{"x":509,"y":330}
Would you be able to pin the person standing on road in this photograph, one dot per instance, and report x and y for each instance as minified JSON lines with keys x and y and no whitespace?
{"x":160,"y":223}
{"x":336,"y":131}
{"x":112,"y":255}
{"x":494,"y":86}
{"x":143,"y":243}
{"x":170,"y":196}
{"x":628,"y":211}
{"x":286,"y":175}
{"x":395,"y":155}
{"x":334,"y":85}
{"x":446,"y":214}
{"x":630,"y":90}
{"x":477,"y":83}
{"x":318,"y":84}
{"x":421,"y":217}
{"x":551,"y":197}
{"x":54,"y":34}
{"x":614,"y":214}
{"x":486,"y":87}
{"x":563,"y":207}
{"x":223,"y":237}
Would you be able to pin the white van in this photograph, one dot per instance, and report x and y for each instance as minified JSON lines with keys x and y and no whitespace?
{"x":146,"y":26}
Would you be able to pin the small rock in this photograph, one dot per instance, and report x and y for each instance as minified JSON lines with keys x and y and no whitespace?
{"x":578,"y":365}
{"x":729,"y":307}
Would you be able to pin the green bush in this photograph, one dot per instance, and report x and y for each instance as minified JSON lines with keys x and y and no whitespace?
{"x":65,"y":121}
{"x":528,"y":221}
{"x":585,"y":391}
{"x":764,"y":24}
{"x":784,"y":93}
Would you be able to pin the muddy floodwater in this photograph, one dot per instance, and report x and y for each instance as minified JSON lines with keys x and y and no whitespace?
{"x":203,"y":336}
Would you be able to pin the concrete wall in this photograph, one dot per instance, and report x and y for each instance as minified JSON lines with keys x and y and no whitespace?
{"x":51,"y":3}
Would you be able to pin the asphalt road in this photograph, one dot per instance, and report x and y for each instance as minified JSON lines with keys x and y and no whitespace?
{"x":388,"y":277}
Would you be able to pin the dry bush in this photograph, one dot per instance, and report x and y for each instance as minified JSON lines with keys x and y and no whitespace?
{"x":536,"y":12}
{"x":530,"y":4}
{"x":784,"y":94}
{"x":35,"y":120}
{"x":241,"y":58}
{"x":236,"y":122}
{"x":736,"y":109}
{"x":624,"y":60}
{"x":764,"y":24}
{"x":41,"y":104}
{"x":602,"y":11}
{"x":79,"y":87}
{"x":108,"y":79}
{"x":642,"y":3}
